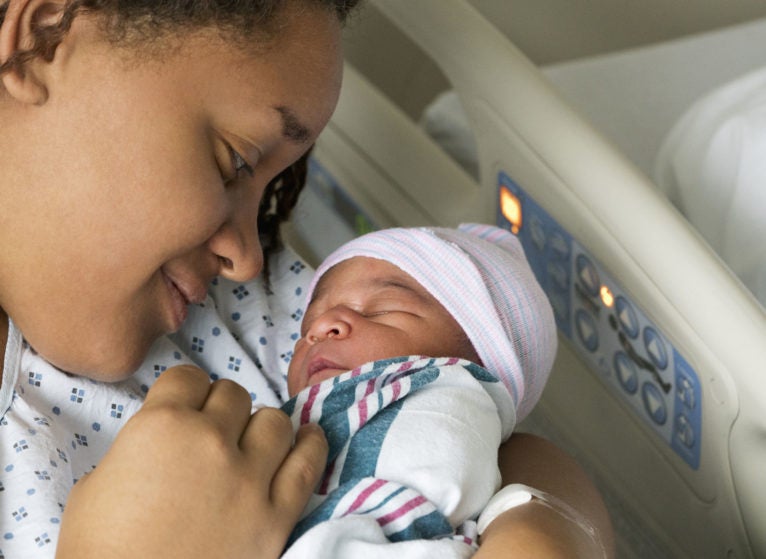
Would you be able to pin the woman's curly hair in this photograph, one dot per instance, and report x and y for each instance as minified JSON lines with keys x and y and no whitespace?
{"x":137,"y":22}
{"x":278,"y":201}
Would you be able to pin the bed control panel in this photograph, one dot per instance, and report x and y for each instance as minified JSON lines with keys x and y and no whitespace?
{"x":622,"y":346}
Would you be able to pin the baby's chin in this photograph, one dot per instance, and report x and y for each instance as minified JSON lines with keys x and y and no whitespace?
{"x":316,"y":378}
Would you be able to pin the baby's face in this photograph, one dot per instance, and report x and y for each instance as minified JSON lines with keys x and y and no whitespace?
{"x":366,"y":309}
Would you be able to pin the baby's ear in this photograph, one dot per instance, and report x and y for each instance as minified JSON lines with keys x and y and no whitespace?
{"x":27,"y":80}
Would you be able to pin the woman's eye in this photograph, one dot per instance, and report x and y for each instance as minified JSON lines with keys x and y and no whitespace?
{"x":238,"y":164}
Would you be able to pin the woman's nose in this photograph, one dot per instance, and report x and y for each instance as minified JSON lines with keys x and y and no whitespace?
{"x":236,"y":243}
{"x":238,"y":248}
{"x":332,"y":324}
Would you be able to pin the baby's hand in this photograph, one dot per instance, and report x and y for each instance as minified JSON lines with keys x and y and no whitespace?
{"x":193,"y":474}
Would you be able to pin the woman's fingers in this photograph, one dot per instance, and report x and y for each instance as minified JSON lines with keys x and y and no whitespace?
{"x":267,"y":440}
{"x":287,"y":467}
{"x":283,"y":467}
{"x":228,"y":407}
{"x":224,"y":403}
{"x":181,"y":386}
{"x":301,"y":470}
{"x":291,"y":464}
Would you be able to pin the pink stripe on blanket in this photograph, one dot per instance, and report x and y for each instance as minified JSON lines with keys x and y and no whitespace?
{"x":308,"y":404}
{"x":397,"y":389}
{"x":363,"y":402}
{"x":406,"y":366}
{"x":401,"y":511}
{"x":359,"y":501}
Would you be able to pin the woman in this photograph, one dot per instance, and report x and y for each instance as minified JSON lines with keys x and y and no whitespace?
{"x":137,"y":141}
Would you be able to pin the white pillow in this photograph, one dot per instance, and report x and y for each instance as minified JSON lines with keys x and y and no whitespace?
{"x":712,"y":165}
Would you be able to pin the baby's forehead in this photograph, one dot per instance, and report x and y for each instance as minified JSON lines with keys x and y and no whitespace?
{"x":367,"y":272}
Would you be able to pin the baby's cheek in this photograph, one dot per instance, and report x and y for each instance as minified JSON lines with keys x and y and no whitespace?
{"x":294,"y":374}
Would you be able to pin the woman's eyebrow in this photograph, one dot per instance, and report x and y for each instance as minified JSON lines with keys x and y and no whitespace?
{"x":292,"y":128}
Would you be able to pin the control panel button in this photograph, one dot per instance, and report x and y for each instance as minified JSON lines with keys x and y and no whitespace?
{"x":685,"y":431}
{"x":655,"y":347}
{"x":559,"y":274}
{"x":559,"y":246}
{"x":627,"y":316}
{"x":588,"y":275}
{"x":537,"y":232}
{"x":654,"y":403}
{"x":685,"y":392}
{"x":587,"y":330}
{"x":626,"y":372}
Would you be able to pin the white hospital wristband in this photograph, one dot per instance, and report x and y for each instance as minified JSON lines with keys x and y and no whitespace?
{"x":508,"y":497}
{"x":516,"y":494}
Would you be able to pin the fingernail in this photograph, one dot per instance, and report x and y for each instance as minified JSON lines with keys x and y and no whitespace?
{"x":313,"y":428}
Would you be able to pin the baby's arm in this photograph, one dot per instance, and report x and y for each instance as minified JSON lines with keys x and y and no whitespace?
{"x":444,"y":445}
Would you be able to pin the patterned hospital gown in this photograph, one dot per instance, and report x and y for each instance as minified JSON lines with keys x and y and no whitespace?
{"x":55,"y":427}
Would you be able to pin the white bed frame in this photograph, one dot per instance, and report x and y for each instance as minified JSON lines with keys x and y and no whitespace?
{"x":662,"y":506}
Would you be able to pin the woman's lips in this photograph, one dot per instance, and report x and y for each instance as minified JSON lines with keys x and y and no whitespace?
{"x":178,"y":304}
{"x":183,"y":292}
{"x":184,"y":289}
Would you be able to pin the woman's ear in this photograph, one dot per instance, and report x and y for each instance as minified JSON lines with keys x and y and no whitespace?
{"x":27,"y":81}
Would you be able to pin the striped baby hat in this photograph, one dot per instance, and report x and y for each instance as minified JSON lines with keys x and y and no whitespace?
{"x":480,"y":275}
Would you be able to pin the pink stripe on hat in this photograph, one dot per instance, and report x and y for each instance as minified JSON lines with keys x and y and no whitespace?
{"x":480,"y":275}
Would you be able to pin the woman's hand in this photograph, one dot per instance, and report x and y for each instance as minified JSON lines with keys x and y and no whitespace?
{"x":193,"y":474}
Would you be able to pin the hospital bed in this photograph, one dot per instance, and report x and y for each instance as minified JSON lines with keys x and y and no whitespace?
{"x":657,"y":388}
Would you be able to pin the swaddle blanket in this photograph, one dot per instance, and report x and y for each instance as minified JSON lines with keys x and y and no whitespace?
{"x":413,"y":458}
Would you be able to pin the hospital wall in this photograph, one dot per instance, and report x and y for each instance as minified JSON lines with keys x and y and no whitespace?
{"x":551,"y":31}
{"x":547,"y":31}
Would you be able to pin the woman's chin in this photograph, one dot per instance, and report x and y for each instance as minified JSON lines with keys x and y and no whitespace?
{"x":102,"y":367}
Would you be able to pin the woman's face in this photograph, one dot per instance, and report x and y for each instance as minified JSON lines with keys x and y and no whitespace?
{"x":136,"y":182}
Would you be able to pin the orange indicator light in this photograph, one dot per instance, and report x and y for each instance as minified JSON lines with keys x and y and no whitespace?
{"x":606,"y":296}
{"x":510,"y":206}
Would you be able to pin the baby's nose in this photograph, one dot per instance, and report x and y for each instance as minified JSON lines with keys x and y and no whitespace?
{"x":332,"y":324}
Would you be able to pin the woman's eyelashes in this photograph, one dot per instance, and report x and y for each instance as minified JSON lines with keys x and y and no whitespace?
{"x":238,"y":165}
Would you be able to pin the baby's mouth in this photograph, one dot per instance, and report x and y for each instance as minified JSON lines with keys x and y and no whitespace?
{"x":321,"y":364}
